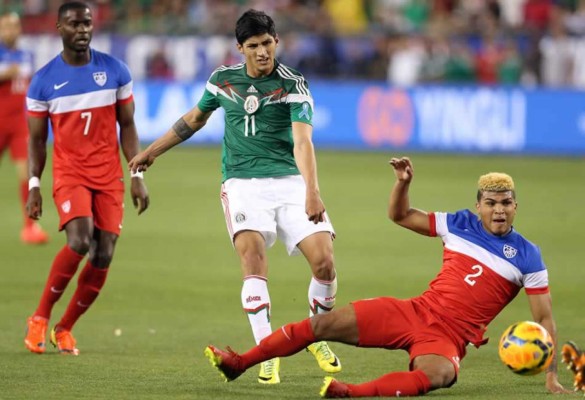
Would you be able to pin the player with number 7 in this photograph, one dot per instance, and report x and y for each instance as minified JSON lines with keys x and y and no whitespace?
{"x":84,"y":94}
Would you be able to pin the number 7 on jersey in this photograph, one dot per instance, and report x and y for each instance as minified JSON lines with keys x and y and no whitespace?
{"x":87,"y":116}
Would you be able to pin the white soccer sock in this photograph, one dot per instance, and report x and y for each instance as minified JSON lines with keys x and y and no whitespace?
{"x":321,"y":296}
{"x":256,"y":304}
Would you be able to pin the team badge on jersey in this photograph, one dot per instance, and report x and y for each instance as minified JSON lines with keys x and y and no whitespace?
{"x":240,"y":217}
{"x":100,"y":78}
{"x":509,"y":251}
{"x":251,"y":104}
{"x":66,"y":206}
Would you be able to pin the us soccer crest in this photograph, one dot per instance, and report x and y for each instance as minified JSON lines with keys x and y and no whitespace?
{"x":251,"y":104}
{"x":66,"y":206}
{"x":100,"y":78}
{"x":509,"y":251}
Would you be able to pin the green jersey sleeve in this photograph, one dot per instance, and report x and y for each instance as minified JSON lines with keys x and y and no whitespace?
{"x":209,"y":101}
{"x":300,"y":101}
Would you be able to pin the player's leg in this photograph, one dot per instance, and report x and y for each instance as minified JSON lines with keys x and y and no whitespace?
{"x":91,"y":278}
{"x":339,"y":325}
{"x":75,"y":218}
{"x":89,"y":284}
{"x":79,"y":232}
{"x":314,"y":241}
{"x":430,"y":372}
{"x":396,"y":324}
{"x":108,"y":213}
{"x":318,"y":250}
{"x":65,"y":264}
{"x":250,"y":247}
{"x":252,"y":229}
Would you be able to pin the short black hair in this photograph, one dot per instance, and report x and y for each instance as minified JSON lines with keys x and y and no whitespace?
{"x":71,"y":5}
{"x":253,"y":23}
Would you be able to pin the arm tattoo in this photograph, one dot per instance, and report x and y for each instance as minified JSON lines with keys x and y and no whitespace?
{"x":182,"y":130}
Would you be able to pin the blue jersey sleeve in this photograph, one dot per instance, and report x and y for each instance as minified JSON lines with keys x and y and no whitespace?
{"x":124,"y":76}
{"x":36,"y":89}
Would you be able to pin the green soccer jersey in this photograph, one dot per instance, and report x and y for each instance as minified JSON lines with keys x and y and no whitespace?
{"x":259,"y":112}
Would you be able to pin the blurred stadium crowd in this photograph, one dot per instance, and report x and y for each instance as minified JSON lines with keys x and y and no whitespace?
{"x":405,"y":42}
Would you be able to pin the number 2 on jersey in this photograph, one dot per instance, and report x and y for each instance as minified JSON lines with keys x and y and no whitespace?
{"x":87,"y":116}
{"x":469,"y":278}
{"x":249,"y":120}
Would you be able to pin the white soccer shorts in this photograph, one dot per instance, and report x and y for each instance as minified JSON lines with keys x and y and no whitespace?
{"x":274,"y":207}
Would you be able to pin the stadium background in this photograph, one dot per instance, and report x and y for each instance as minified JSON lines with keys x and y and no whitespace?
{"x":464,"y":87}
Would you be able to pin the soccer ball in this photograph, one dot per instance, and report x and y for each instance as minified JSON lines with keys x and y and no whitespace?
{"x":526,"y":348}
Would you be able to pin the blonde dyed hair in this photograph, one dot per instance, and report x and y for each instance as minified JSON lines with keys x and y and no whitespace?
{"x":495,"y":182}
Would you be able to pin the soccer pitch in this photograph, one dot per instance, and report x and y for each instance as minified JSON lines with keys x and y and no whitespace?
{"x":174,"y":285}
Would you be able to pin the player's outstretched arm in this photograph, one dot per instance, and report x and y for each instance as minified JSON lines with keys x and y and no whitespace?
{"x":37,"y":157}
{"x":541,"y":308}
{"x":183,"y":129}
{"x":131,"y":147}
{"x":399,"y":209}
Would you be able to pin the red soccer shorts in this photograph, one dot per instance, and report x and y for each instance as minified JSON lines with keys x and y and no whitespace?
{"x":14,"y":135}
{"x":391,"y":323}
{"x":106,"y":207}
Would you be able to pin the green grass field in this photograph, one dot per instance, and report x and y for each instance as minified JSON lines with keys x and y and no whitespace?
{"x":174,"y":285}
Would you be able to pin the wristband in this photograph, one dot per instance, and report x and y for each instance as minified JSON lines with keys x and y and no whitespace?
{"x":34,"y":182}
{"x":137,"y":174}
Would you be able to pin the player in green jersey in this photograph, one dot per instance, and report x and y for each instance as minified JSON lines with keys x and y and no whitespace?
{"x":270,"y":188}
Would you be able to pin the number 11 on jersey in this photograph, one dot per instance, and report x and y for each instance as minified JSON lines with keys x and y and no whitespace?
{"x":249,"y":120}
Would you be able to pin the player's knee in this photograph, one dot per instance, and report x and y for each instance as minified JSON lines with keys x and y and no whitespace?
{"x":102,"y":258}
{"x":320,"y":325}
{"x":103,"y":254}
{"x":253,"y":262}
{"x":79,"y":243}
{"x":440,"y":376}
{"x":324,"y":267}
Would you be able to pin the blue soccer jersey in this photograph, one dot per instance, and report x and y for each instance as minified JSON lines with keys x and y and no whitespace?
{"x":481,"y":272}
{"x":81,"y":103}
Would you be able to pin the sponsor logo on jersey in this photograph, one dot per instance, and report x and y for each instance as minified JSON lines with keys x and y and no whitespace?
{"x":251,"y":104}
{"x":66,"y":206}
{"x":240,"y":217}
{"x":252,"y":89}
{"x":100,"y":78}
{"x":250,"y":299}
{"x":509,"y":251}
{"x":305,"y":112}
{"x":60,"y":85}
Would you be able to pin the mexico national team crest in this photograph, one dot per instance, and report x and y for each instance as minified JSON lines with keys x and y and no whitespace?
{"x":100,"y":78}
{"x":251,"y":104}
{"x":240,"y":217}
{"x":509,"y":251}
